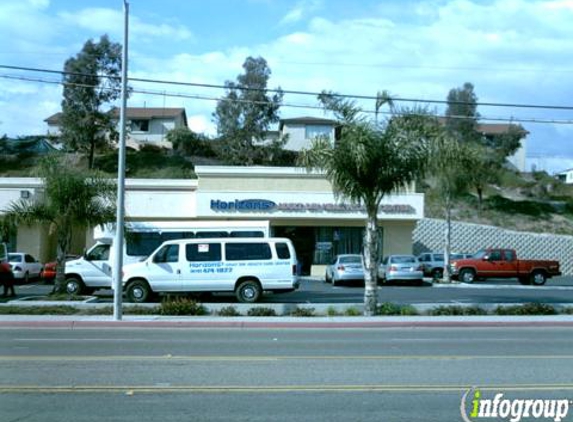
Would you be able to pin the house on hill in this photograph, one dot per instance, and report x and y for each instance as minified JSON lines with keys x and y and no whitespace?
{"x":145,"y":125}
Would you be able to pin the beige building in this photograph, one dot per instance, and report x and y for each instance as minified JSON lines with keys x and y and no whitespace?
{"x":296,"y":204}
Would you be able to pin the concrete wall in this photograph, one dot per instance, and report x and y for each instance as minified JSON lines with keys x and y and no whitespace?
{"x":429,"y":236}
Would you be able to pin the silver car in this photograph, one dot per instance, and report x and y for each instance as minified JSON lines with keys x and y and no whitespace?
{"x":24,"y":266}
{"x":400,"y":268}
{"x":348,"y":267}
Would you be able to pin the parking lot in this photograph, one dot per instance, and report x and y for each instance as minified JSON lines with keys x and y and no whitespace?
{"x":315,"y":290}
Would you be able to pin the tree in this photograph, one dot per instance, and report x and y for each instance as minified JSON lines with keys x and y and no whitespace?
{"x":71,"y":199}
{"x":245,"y":113}
{"x":451,"y":166}
{"x":91,"y":80}
{"x":485,"y":170}
{"x":189,"y":143}
{"x":461,"y":113}
{"x":366,"y":163}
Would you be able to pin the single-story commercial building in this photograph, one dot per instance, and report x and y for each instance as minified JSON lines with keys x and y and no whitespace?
{"x":296,"y":203}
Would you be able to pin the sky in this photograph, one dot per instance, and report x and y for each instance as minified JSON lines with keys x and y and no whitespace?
{"x":514,"y":52}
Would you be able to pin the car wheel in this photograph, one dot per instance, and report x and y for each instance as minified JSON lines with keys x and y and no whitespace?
{"x":138,"y":291}
{"x":467,"y":275}
{"x":538,"y":278}
{"x":327,"y":279}
{"x":74,"y":286}
{"x":26,"y":277}
{"x":438,"y":273}
{"x":248,"y":291}
{"x":333,"y":282}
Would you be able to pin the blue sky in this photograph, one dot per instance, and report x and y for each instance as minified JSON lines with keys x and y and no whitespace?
{"x":513,"y":51}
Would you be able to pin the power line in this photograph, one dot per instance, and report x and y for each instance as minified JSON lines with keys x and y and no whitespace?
{"x":295,"y":92}
{"x":288,"y":105}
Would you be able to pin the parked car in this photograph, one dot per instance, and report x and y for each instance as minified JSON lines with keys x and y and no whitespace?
{"x":24,"y":266}
{"x":503,"y":263}
{"x":49,"y":271}
{"x":400,"y":268}
{"x":433,"y":262}
{"x":346,"y":267}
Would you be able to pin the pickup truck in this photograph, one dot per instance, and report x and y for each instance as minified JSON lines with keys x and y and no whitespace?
{"x":503,"y":263}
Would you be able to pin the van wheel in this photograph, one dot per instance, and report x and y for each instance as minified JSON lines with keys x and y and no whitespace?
{"x":138,"y":291}
{"x":538,"y":278}
{"x":248,"y":291}
{"x":74,"y":285}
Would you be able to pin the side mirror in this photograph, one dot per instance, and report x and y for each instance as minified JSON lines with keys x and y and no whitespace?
{"x":486,"y":258}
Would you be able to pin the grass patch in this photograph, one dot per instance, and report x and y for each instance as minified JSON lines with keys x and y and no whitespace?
{"x":526,"y":309}
{"x":352,"y":312}
{"x":40,"y":310}
{"x":331,"y":311}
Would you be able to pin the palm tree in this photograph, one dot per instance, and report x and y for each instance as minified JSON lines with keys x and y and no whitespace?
{"x":70,"y":199}
{"x":368,"y":162}
{"x":451,"y":171}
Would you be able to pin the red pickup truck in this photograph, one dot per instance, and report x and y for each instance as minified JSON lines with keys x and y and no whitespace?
{"x":503,"y":263}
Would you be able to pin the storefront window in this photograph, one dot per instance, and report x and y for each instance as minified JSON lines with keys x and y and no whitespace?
{"x":331,"y":241}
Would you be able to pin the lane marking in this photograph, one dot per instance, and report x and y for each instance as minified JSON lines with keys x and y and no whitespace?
{"x":167,"y":357}
{"x":265,"y":389}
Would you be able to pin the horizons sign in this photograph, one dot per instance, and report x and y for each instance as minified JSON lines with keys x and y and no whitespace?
{"x":254,"y":205}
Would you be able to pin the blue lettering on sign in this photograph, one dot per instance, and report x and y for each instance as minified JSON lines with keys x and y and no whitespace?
{"x":244,"y":205}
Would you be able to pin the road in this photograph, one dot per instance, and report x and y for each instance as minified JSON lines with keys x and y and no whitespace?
{"x":268,"y":374}
{"x":314,"y":290}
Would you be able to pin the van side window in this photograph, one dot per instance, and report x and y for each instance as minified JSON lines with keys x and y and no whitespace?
{"x":247,"y":251}
{"x":282,"y":251}
{"x":99,"y":253}
{"x":168,"y":253}
{"x":200,"y":252}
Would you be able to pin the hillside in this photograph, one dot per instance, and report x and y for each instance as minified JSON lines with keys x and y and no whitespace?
{"x":526,"y":202}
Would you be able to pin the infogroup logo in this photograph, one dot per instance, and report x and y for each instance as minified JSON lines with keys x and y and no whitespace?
{"x":513,"y":410}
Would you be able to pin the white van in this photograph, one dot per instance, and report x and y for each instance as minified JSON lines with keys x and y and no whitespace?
{"x":93,"y":270}
{"x":246,"y":267}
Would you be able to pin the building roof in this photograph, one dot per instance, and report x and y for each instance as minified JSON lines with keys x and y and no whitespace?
{"x":143,"y":113}
{"x":308,"y":121}
{"x":494,"y":128}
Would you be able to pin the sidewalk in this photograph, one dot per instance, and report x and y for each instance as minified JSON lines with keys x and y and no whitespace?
{"x":152,"y":321}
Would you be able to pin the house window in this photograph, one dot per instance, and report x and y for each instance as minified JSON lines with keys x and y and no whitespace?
{"x":314,"y":131}
{"x":140,"y":125}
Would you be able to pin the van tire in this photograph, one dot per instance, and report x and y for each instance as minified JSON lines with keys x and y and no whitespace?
{"x":248,"y":291}
{"x":138,"y":291}
{"x":74,"y":285}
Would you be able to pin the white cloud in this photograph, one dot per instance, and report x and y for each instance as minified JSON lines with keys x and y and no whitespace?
{"x":301,"y":10}
{"x":102,"y":20}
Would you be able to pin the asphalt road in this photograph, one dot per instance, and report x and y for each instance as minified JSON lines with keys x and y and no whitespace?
{"x":314,"y":290}
{"x":267,"y":374}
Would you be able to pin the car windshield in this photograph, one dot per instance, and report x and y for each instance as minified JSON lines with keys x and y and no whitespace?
{"x":14,"y":257}
{"x":350,"y":260}
{"x":480,"y":254}
{"x":403,"y":259}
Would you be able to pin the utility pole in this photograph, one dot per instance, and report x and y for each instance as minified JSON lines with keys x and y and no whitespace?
{"x":120,"y":217}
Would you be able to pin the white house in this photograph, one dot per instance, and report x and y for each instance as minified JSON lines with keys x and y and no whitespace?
{"x":146,"y":125}
{"x":302,"y":130}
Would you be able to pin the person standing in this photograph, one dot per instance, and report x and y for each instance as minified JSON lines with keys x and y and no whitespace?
{"x":7,"y":279}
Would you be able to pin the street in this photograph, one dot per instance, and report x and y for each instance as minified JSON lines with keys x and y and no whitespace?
{"x":270,"y":374}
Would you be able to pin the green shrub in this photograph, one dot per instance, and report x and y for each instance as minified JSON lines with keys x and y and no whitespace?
{"x":568,"y":310}
{"x":388,"y":308}
{"x":302,"y":312}
{"x":229,"y":311}
{"x":455,"y":310}
{"x":259,"y":311}
{"x":352,"y":312}
{"x":331,"y":311}
{"x":140,"y":310}
{"x":526,"y":309}
{"x":181,"y":306}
